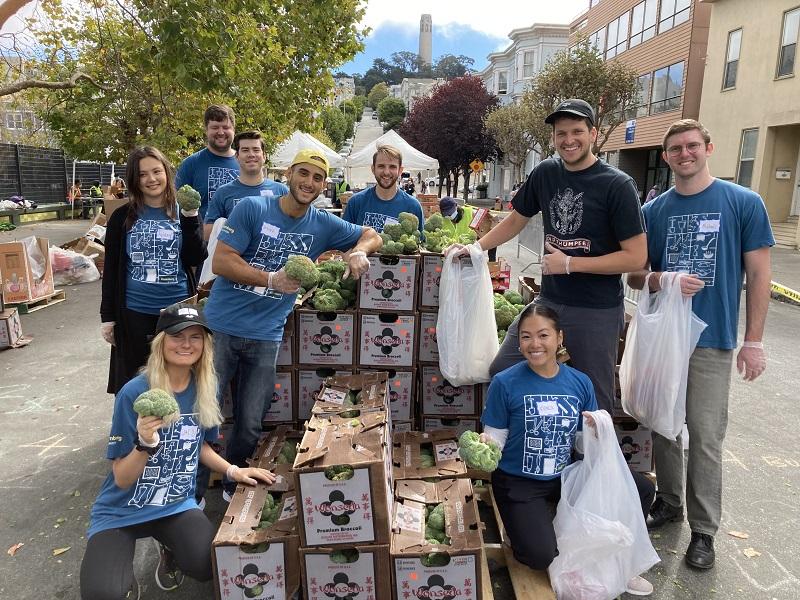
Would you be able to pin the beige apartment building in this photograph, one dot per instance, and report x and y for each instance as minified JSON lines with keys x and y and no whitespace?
{"x":751,"y":103}
{"x":665,"y":42}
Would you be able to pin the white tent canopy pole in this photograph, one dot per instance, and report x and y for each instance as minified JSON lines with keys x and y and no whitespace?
{"x":287,"y":149}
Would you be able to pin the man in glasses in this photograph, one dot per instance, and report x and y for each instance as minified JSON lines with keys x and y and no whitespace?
{"x":715,"y":231}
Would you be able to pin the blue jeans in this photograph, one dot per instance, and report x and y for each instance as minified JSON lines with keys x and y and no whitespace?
{"x":252,"y":364}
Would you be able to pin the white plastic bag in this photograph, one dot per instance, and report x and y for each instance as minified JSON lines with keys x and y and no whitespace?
{"x":207,"y":275}
{"x":661,"y":338}
{"x":35,"y":257}
{"x":465,"y":329}
{"x":600,"y":529}
{"x":69,"y":267}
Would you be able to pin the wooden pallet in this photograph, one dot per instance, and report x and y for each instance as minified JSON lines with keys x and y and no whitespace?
{"x":28,"y":307}
{"x":528,"y":584}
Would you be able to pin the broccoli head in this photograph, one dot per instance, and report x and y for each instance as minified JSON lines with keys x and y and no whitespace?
{"x":392,"y":247}
{"x":467,"y":238}
{"x":328,"y":300}
{"x":434,"y":559}
{"x":342,"y":557}
{"x":409,"y":222}
{"x":157,"y":403}
{"x":426,"y":458}
{"x":394,"y":230}
{"x":434,"y":222}
{"x":410,"y":244}
{"x":501,"y":335}
{"x":513,"y":297}
{"x":477,"y":454}
{"x":339,"y":472}
{"x":436,"y":241}
{"x":287,"y":454}
{"x":333,"y":267}
{"x":436,"y":518}
{"x":188,"y":198}
{"x":504,"y":315}
{"x":302,"y":269}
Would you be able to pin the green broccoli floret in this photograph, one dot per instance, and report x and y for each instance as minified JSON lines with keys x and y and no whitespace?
{"x":426,"y":458}
{"x":287,"y":454}
{"x":513,"y":297}
{"x":436,"y":241}
{"x":409,"y":222}
{"x":434,"y":222}
{"x":333,"y":267}
{"x":348,"y":296}
{"x":269,"y":513}
{"x":410,"y":244}
{"x":501,"y":335}
{"x":188,"y":198}
{"x":394,"y":230}
{"x":436,"y":517}
{"x":467,"y":238}
{"x":504,"y":315}
{"x":157,"y":403}
{"x":477,"y":454}
{"x":434,"y":559}
{"x":331,"y":285}
{"x":342,"y":557}
{"x":302,"y":269}
{"x":328,"y":300}
{"x":392,"y":247}
{"x":499,"y":300}
{"x":339,"y":472}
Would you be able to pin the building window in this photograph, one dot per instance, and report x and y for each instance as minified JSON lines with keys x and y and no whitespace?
{"x":747,"y":157}
{"x":667,"y":88}
{"x":643,"y":22}
{"x":791,"y":23}
{"x":641,"y":105}
{"x":593,"y":3}
{"x":673,"y":13}
{"x":528,"y":63}
{"x":732,"y":59}
{"x":502,"y":82}
{"x":598,"y":40}
{"x":14,"y":120}
{"x":617,"y":36}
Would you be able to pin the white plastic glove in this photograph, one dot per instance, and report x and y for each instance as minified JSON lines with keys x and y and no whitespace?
{"x":107,"y":331}
{"x":281,"y":282}
{"x":190,"y":213}
{"x":357,"y":264}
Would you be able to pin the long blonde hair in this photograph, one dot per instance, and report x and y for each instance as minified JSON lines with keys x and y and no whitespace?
{"x":205,"y":405}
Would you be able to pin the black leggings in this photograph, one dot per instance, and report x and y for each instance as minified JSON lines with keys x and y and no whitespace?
{"x":527,"y":507}
{"x":107,"y":567}
{"x":132,"y":336}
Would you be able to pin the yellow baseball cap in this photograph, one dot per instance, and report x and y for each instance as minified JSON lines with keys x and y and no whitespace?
{"x":312,"y":157}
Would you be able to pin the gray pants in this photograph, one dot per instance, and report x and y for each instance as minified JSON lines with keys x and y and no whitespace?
{"x":591,"y":336}
{"x":706,"y":419}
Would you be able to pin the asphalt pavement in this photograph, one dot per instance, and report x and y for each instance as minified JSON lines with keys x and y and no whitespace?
{"x":55,"y":416}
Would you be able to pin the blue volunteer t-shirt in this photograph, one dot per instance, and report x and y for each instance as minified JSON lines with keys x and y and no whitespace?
{"x":156,"y":278}
{"x":365,"y":208}
{"x":542,"y":417}
{"x":707,"y":234}
{"x":265,"y":237}
{"x":167,"y":484}
{"x":206,"y":172}
{"x":231,"y":193}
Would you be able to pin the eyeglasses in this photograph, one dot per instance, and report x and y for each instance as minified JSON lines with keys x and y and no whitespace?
{"x":690,"y":148}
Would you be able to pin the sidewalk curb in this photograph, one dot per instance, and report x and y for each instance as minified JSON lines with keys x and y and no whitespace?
{"x":785,"y":294}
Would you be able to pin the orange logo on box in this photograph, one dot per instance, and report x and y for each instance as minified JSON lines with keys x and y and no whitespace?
{"x":338,"y":327}
{"x":434,"y":379}
{"x":403,"y":332}
{"x":277,"y":386}
{"x":397,"y":383}
{"x":438,"y":269}
{"x":403,"y":269}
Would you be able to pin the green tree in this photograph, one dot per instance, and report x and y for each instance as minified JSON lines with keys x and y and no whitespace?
{"x":449,"y":66}
{"x":360,"y":101}
{"x":507,"y":126}
{"x":378,"y":92}
{"x":391,"y":111}
{"x":334,"y":123}
{"x":609,"y":86}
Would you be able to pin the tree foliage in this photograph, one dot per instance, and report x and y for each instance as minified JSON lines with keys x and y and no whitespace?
{"x":609,"y":86}
{"x":402,"y":65}
{"x":449,"y":125}
{"x":507,"y":126}
{"x":376,"y":94}
{"x":334,"y":123}
{"x":391,"y":111}
{"x":449,"y":66}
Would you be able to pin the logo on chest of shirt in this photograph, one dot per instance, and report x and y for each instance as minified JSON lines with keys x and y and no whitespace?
{"x":566,"y":211}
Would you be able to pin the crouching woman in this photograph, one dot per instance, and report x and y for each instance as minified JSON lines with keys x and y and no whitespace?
{"x":150,"y":490}
{"x":534,"y":412}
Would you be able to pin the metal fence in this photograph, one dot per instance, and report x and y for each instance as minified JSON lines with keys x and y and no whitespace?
{"x":43,"y":175}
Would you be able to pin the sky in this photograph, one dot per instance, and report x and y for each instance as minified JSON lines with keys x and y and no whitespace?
{"x":466,"y":27}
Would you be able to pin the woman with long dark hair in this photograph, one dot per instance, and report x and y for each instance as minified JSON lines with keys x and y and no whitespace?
{"x":152,"y":247}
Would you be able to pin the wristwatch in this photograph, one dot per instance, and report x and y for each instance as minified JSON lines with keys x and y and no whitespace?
{"x":151,"y":450}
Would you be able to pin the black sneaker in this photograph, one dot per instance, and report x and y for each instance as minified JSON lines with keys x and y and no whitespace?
{"x":168,"y":575}
{"x":662,"y":513}
{"x":135,"y":593}
{"x":700,"y":553}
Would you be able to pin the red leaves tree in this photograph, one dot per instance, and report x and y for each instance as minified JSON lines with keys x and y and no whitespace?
{"x":448,"y":125}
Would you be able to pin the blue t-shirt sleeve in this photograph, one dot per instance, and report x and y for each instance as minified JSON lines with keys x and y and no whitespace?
{"x":240,"y":228}
{"x":351,"y":210}
{"x":182,"y":177}
{"x":343,"y":235}
{"x":211,"y":435}
{"x":420,"y":216}
{"x":123,"y":435}
{"x":756,"y":230}
{"x":214,"y":210}
{"x":495,"y":413}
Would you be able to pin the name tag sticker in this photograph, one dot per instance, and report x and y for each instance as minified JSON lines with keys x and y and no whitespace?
{"x":266,"y":192}
{"x":390,"y":221}
{"x":710,"y":226}
{"x":165,"y":234}
{"x":269,"y":230}
{"x":547,"y":408}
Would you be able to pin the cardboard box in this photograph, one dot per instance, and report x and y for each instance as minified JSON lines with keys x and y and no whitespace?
{"x":528,"y":288}
{"x":10,"y":329}
{"x":352,"y":422}
{"x":365,"y":392}
{"x":460,"y":424}
{"x":86,"y":247}
{"x":402,"y":393}
{"x":428,"y":343}
{"x":402,"y":426}
{"x":461,"y":577}
{"x":387,"y":340}
{"x":309,"y":383}
{"x":430,"y":274}
{"x":282,"y":408}
{"x":270,"y":445}
{"x":19,"y":283}
{"x":367,"y":577}
{"x":390,"y":283}
{"x":257,"y":563}
{"x":347,"y":511}
{"x":407,"y":447}
{"x":326,"y":338}
{"x":636,"y":442}
{"x":440,"y":397}
{"x":500,"y":272}
{"x":286,"y":352}
{"x":112,"y":204}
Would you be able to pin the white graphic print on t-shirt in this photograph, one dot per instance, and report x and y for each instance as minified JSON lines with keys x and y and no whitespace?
{"x":550,"y":425}
{"x":566,"y":211}
{"x":692,"y":244}
{"x":219,"y":176}
{"x":155,"y":250}
{"x":375,"y":220}
{"x":272,"y":254}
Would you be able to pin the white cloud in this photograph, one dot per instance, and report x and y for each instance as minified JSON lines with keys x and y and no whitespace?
{"x":496,"y":18}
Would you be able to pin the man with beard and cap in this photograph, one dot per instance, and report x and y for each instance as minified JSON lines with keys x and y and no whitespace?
{"x":215,"y":165}
{"x":382,"y":204}
{"x":252,"y":295}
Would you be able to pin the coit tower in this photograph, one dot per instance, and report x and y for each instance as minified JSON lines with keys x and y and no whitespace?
{"x":425,"y":27}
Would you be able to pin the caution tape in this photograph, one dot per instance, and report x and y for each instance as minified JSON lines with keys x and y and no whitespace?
{"x":785,"y":292}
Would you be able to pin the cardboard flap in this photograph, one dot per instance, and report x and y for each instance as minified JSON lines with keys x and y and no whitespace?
{"x":415,"y":490}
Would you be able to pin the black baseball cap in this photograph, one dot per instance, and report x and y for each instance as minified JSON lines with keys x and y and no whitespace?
{"x":572,"y":107}
{"x":178,"y":317}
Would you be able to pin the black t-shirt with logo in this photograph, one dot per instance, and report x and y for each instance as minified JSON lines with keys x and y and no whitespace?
{"x":585,"y":213}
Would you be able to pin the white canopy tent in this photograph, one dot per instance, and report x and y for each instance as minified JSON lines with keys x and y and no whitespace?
{"x":413,"y":159}
{"x":286,"y":151}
